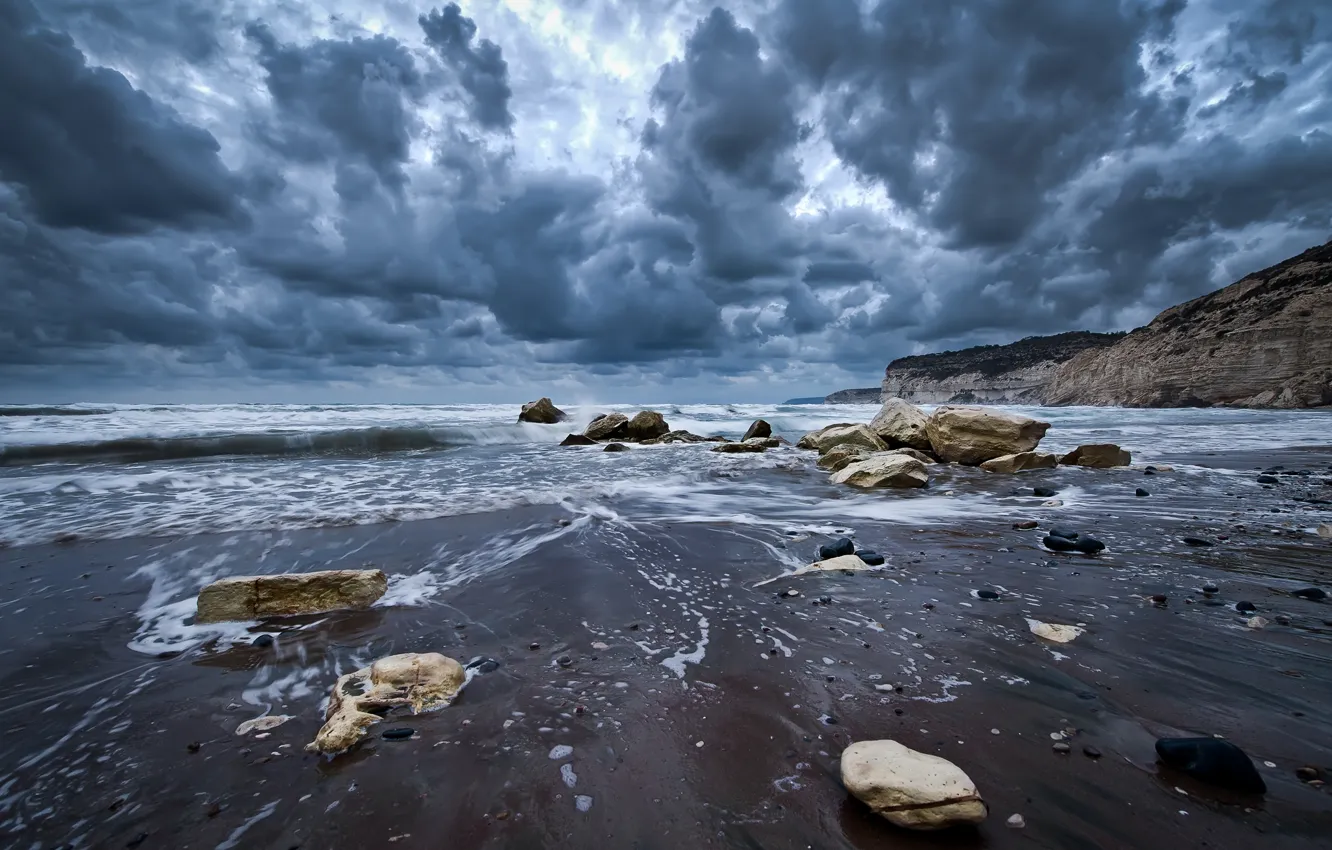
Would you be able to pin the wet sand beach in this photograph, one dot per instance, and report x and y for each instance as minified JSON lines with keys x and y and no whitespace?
{"x":701,"y":711}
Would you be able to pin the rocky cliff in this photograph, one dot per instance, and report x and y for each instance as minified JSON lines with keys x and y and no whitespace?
{"x":1265,"y":341}
{"x":1016,"y":373}
{"x":868,"y":395}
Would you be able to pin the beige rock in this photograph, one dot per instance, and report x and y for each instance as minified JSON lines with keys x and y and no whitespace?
{"x":841,"y":562}
{"x":542,"y":411}
{"x":900,"y":423}
{"x":1097,"y":456}
{"x":423,"y":681}
{"x":836,"y":458}
{"x":1021,"y":462}
{"x":262,"y":724}
{"x":739,"y":448}
{"x":910,"y":789}
{"x":611,"y":426}
{"x":973,"y":435}
{"x":838,"y":435}
{"x":1256,"y":623}
{"x":759,"y":428}
{"x":923,"y":457}
{"x":766,"y":442}
{"x":675,"y":437}
{"x":810,"y":440}
{"x":883,"y":470}
{"x":1325,"y":531}
{"x":251,"y":597}
{"x":1053,"y":631}
{"x":646,"y":425}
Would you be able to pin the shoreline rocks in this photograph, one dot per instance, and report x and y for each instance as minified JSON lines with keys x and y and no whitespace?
{"x":1021,"y":462}
{"x":578,"y":440}
{"x":1214,"y":761}
{"x":646,"y":425}
{"x":825,"y":439}
{"x":901,"y":424}
{"x":739,"y":448}
{"x":607,"y":426}
{"x":421,"y":681}
{"x":243,"y":598}
{"x":883,"y":470}
{"x":542,"y":411}
{"x":1097,"y":456}
{"x":759,"y":428}
{"x":910,"y":789}
{"x":973,"y":435}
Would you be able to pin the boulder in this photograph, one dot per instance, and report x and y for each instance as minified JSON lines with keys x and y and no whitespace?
{"x":1097,"y":456}
{"x":608,"y":426}
{"x":836,"y":458}
{"x":766,"y":442}
{"x":837,"y":548}
{"x":1214,"y":761}
{"x":883,"y":470}
{"x":901,"y":424}
{"x":839,"y":435}
{"x":615,"y":447}
{"x":760,"y":428}
{"x":541,"y":411}
{"x":973,"y":435}
{"x":675,"y":437}
{"x":421,"y":681}
{"x":1021,"y":462}
{"x":923,"y":457}
{"x":910,"y":789}
{"x":646,"y":425}
{"x":242,"y":598}
{"x":739,"y":448}
{"x":577,"y":440}
{"x":810,"y":440}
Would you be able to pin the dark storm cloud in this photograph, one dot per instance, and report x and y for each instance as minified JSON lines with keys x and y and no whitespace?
{"x":91,"y":151}
{"x":481,"y":70}
{"x":180,"y":27}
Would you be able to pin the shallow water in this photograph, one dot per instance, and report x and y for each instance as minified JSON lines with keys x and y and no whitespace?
{"x":697,"y":706}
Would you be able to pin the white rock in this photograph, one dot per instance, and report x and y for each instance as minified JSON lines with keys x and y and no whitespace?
{"x":1017,"y":821}
{"x":262,"y":724}
{"x":910,"y":789}
{"x":1054,"y":632}
{"x":1256,"y":622}
{"x":1325,"y":531}
{"x":883,"y":470}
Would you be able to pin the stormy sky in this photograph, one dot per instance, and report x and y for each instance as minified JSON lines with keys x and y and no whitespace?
{"x":385,"y":200}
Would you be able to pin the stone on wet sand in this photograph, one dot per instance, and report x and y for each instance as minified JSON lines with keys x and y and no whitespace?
{"x":1313,"y":594}
{"x":242,"y":598}
{"x":1053,"y":631}
{"x":832,"y":565}
{"x":578,"y":440}
{"x":1325,"y":531}
{"x":1097,"y":456}
{"x":874,"y":559}
{"x":884,"y":470}
{"x":1214,"y":761}
{"x":542,"y":411}
{"x":262,"y":724}
{"x":1021,"y":462}
{"x":1267,"y":479}
{"x":421,"y":681}
{"x":646,"y":425}
{"x":838,"y":435}
{"x":1064,"y":533}
{"x":910,"y":789}
{"x":1044,"y":492}
{"x":837,"y":458}
{"x":759,"y":428}
{"x":973,"y":435}
{"x":1197,"y":541}
{"x":1026,"y":525}
{"x":1084,"y":545}
{"x":837,"y":548}
{"x":901,"y":424}
{"x":1141,"y":493}
{"x":609,"y":426}
{"x":739,"y":448}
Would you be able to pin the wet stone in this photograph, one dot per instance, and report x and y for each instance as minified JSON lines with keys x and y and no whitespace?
{"x":1212,"y":760}
{"x":262,"y":641}
{"x":1064,"y":533}
{"x":1062,"y":748}
{"x":1308,"y":774}
{"x":1026,"y":525}
{"x":987,"y":594}
{"x":836,"y":549}
{"x":1091,"y":752}
{"x":1044,"y":492}
{"x":399,"y":734}
{"x":1267,"y":479}
{"x":1210,"y":588}
{"x":1141,"y":493}
{"x":1245,"y":605}
{"x":874,"y":559}
{"x":1313,"y":594}
{"x":1197,"y":541}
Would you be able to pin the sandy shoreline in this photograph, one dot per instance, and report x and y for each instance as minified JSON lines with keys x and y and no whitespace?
{"x":99,"y":751}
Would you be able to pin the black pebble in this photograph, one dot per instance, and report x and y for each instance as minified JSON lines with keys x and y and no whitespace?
{"x":1064,"y":533}
{"x":1197,"y":541}
{"x":1044,"y":492}
{"x":874,"y":559}
{"x":825,"y":600}
{"x":1307,"y":774}
{"x":193,"y":746}
{"x":262,"y":641}
{"x":987,"y":594}
{"x":534,"y":646}
{"x":1210,"y":588}
{"x":1245,"y":606}
{"x":1314,"y":594}
{"x":1267,"y":479}
{"x":1213,"y":761}
{"x":1140,"y":493}
{"x":1091,"y":752}
{"x":137,"y":840}
{"x":1059,"y":544}
{"x":615,"y":447}
{"x":1151,"y":470}
{"x":1089,"y":545}
{"x":564,"y":661}
{"x":400,"y":734}
{"x":836,"y":549}
{"x":483,"y":665}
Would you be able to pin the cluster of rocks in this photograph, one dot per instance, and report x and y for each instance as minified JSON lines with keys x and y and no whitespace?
{"x":896,"y":448}
{"x":647,"y":428}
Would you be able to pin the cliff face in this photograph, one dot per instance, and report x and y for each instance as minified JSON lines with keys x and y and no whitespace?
{"x":869,"y":395}
{"x":1265,"y":341}
{"x":1017,"y":373}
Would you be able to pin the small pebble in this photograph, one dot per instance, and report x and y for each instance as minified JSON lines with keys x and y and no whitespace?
{"x":1091,"y":752}
{"x":400,"y":734}
{"x":564,"y":661}
{"x":1140,"y":493}
{"x":1062,"y":748}
{"x":1245,"y":605}
{"x":1016,"y":822}
{"x":987,"y":594}
{"x":1308,"y":774}
{"x":534,"y":646}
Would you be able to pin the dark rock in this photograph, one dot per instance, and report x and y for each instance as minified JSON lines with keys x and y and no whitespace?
{"x":1062,"y":748}
{"x":1060,"y":532}
{"x":987,"y":594}
{"x":137,"y":840}
{"x":616,"y":447}
{"x":399,"y":734}
{"x":262,"y":641}
{"x":1151,"y":470}
{"x":1140,"y":493}
{"x":1160,"y":600}
{"x":825,"y":600}
{"x":578,"y":440}
{"x":1089,"y":545}
{"x":542,"y":411}
{"x":1308,"y":774}
{"x":836,"y":549}
{"x":564,"y":661}
{"x":481,"y":664}
{"x":608,"y":426}
{"x":194,"y":746}
{"x":1314,"y":594}
{"x":1245,"y":606}
{"x":1044,"y":492}
{"x":1197,"y":541}
{"x":1210,"y":589}
{"x":534,"y":646}
{"x":1059,"y":544}
{"x":1026,"y":525}
{"x":1091,"y":752}
{"x":1267,"y":479}
{"x":646,"y":425}
{"x":874,"y":559}
{"x":1212,"y":760}
{"x":760,"y":428}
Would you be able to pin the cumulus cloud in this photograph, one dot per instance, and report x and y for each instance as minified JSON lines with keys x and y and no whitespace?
{"x":767,"y":199}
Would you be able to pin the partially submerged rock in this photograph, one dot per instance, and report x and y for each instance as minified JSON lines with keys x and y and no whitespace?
{"x":1097,"y":456}
{"x":1325,"y":531}
{"x":836,"y":548}
{"x":1021,"y":462}
{"x":542,"y":411}
{"x":836,"y":458}
{"x":739,"y":448}
{"x":910,"y":789}
{"x":422,"y":681}
{"x":973,"y":435}
{"x":578,"y":440}
{"x":675,"y":437}
{"x":883,"y":470}
{"x":262,"y":724}
{"x":608,"y":426}
{"x":1214,"y":761}
{"x":242,"y":598}
{"x":646,"y":425}
{"x":900,"y":423}
{"x":1053,"y":631}
{"x":837,"y":435}
{"x":759,"y":428}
